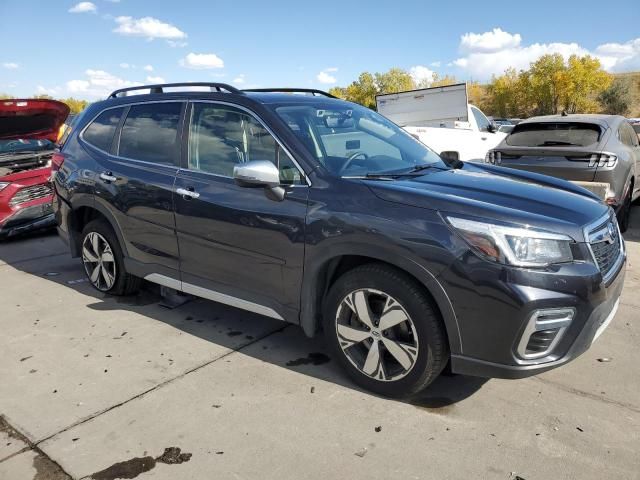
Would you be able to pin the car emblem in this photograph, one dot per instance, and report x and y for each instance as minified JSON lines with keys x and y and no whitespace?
{"x":612,"y":234}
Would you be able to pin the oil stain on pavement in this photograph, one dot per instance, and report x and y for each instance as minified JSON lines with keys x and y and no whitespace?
{"x":136,"y":466}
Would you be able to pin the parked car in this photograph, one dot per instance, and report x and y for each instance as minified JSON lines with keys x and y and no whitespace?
{"x":28,"y":130}
{"x":442,"y":118}
{"x":322,"y":213}
{"x":507,"y":128}
{"x":598,"y":152}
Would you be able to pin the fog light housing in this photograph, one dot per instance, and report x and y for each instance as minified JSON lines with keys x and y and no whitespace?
{"x":543,"y":331}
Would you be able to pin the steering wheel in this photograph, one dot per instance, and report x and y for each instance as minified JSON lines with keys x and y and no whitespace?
{"x":351,"y":158}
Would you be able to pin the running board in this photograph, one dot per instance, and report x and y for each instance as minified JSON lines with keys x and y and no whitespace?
{"x":212,"y":295}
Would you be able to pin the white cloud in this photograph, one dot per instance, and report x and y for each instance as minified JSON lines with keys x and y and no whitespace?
{"x":421,"y":75}
{"x":11,"y":65}
{"x":201,"y":61}
{"x":435,"y":64}
{"x":84,"y":7}
{"x":619,"y":57}
{"x":125,"y":65}
{"x":239,"y":79}
{"x":492,"y":41}
{"x":174,"y":44}
{"x":489,"y":53}
{"x":325,"y":77}
{"x":97,"y":83}
{"x":53,"y":91}
{"x":147,"y":27}
{"x":148,"y":68}
{"x":155,"y":79}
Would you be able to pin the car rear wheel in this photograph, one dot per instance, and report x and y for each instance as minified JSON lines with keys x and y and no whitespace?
{"x":624,"y":214}
{"x":103,"y":260}
{"x":384,"y":330}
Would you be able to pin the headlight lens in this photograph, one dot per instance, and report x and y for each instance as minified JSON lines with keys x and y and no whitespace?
{"x":521,"y":247}
{"x":3,"y":185}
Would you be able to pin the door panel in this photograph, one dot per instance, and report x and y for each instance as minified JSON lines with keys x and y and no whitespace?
{"x":139,"y":189}
{"x":236,"y":240}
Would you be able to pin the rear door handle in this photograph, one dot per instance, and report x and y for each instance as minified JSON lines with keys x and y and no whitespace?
{"x":187,"y":192}
{"x":108,"y":177}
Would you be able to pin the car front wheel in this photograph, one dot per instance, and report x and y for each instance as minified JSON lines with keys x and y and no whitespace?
{"x":384,"y":330}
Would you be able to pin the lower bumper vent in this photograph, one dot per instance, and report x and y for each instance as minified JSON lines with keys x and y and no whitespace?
{"x":544,"y":330}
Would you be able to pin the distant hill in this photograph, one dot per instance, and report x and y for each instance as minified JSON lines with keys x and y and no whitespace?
{"x":635,"y":79}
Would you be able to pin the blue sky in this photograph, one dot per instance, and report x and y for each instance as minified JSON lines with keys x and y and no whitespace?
{"x":86,"y":49}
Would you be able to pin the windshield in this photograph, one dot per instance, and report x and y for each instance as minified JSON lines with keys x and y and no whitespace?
{"x":19,"y":145}
{"x":350,"y":140}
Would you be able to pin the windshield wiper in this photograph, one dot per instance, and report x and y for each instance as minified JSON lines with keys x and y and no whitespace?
{"x":549,"y":143}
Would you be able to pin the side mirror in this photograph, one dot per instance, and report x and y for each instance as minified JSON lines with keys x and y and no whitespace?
{"x":451,"y":158}
{"x":492,"y":128}
{"x":259,"y":173}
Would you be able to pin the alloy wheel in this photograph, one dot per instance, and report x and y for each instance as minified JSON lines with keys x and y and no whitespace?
{"x":99,"y":262}
{"x":376,"y":334}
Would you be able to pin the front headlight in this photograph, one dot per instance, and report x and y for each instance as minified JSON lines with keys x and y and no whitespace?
{"x":521,"y":247}
{"x":3,"y":185}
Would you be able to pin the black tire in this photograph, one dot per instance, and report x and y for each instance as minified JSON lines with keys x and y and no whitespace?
{"x":432,"y":346}
{"x":125,"y":283}
{"x":624,"y":214}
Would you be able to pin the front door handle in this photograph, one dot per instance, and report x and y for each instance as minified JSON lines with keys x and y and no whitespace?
{"x":108,"y":177}
{"x":187,"y":192}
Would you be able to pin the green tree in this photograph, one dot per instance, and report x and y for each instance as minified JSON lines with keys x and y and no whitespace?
{"x":393,"y":81}
{"x":75,"y":105}
{"x":617,"y":98}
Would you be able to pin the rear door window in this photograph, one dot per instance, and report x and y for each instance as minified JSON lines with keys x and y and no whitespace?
{"x":150,"y":133}
{"x":100,"y":132}
{"x":549,"y":134}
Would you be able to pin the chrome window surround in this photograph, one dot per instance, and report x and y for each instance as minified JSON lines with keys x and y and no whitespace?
{"x":560,"y":319}
{"x":589,"y":234}
{"x":177,"y":167}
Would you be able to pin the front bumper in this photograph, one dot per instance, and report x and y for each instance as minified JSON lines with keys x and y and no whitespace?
{"x":28,"y":219}
{"x":495,"y":305}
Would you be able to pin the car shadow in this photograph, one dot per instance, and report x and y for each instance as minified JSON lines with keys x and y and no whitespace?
{"x":281,"y":344}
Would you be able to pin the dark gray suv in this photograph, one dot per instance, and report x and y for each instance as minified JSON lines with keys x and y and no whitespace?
{"x":320,"y":212}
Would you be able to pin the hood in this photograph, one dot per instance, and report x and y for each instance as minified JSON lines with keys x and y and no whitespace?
{"x":501,"y":194}
{"x":31,"y":119}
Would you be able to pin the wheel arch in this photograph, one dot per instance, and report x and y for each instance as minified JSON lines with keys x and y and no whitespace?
{"x":320,"y":275}
{"x":80,"y":215}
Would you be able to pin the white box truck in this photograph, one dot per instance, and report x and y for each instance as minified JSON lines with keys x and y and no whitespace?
{"x":441,"y":118}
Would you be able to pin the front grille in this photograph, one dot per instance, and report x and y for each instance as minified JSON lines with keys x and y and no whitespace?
{"x":28,"y":194}
{"x":606,"y":245}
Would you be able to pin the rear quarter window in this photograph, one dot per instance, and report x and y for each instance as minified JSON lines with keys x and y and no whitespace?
{"x":550,"y":134}
{"x":100,"y":132}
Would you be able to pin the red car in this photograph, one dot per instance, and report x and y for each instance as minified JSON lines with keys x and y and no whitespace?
{"x":28,"y":134}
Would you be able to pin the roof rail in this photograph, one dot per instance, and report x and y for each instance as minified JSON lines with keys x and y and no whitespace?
{"x":158,"y":88}
{"x":311,"y":91}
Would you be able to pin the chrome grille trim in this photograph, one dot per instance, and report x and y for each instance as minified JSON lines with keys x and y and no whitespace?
{"x":608,"y":257}
{"x":28,"y":194}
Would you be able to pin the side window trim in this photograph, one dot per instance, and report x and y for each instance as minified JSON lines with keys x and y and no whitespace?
{"x":187,"y":126}
{"x":116,"y":149}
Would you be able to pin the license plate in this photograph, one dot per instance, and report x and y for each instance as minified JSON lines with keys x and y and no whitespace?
{"x":603,"y":326}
